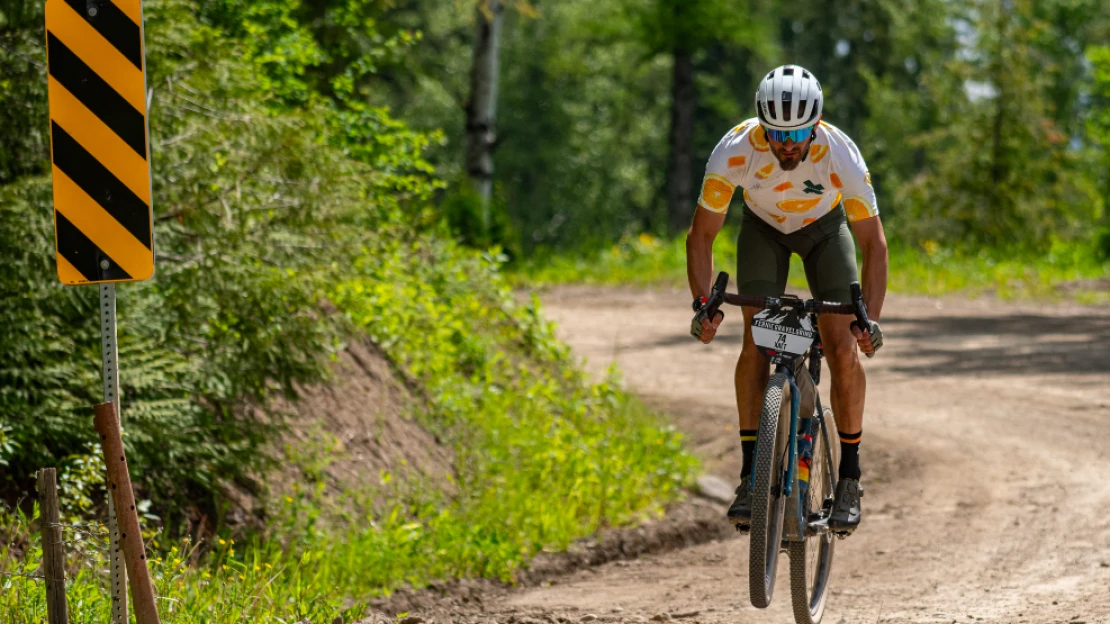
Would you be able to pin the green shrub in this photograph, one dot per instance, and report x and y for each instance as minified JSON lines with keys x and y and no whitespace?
{"x":256,"y":213}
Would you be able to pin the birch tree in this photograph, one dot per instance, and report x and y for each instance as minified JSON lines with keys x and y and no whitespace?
{"x":481,"y":108}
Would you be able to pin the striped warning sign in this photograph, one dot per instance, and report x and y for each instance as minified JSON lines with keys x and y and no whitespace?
{"x":98,"y":135}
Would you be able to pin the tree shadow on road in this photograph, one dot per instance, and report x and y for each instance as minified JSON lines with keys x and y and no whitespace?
{"x":1007,"y":344}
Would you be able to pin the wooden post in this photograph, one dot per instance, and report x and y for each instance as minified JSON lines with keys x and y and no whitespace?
{"x":53,"y":549}
{"x":130,"y":538}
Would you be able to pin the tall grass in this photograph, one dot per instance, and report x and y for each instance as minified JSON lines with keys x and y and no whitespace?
{"x":1067,"y":270}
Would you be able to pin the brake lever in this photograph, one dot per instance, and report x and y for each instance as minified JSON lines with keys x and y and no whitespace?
{"x":712,"y":305}
{"x":860,"y":307}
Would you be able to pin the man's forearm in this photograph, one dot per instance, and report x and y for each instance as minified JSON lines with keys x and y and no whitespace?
{"x":875,"y":263}
{"x":699,"y":263}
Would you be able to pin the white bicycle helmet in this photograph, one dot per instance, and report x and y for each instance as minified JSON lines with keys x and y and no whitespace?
{"x":788,"y":98}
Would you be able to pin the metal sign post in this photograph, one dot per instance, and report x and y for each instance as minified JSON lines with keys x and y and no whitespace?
{"x":110,"y":364}
{"x":100,"y":164}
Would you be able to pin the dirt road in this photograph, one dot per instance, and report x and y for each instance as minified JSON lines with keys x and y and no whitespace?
{"x":985,"y":455}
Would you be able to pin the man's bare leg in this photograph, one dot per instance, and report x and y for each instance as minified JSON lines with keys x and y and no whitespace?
{"x":752,"y":372}
{"x":849,"y":384}
{"x":849,"y":387}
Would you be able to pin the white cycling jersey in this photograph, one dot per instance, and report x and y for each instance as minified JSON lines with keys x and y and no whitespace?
{"x":833,"y":172}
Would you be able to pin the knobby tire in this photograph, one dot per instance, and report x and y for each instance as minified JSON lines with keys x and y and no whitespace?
{"x":767,"y":508}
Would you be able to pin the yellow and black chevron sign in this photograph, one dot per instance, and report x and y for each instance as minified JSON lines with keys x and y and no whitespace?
{"x":98,"y":134}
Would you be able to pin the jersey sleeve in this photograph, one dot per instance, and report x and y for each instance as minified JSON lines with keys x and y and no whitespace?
{"x":859,"y":195}
{"x":723,"y":172}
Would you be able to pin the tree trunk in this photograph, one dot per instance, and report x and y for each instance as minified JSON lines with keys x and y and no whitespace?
{"x":998,"y":167}
{"x":481,"y":109}
{"x":680,"y":176}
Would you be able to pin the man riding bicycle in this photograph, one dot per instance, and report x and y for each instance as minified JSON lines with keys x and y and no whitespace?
{"x":803,"y":181}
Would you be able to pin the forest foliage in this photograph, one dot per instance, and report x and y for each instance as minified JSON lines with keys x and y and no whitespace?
{"x":310,"y":185}
{"x":979,"y":120}
{"x":282,"y":132}
{"x":310,"y":188}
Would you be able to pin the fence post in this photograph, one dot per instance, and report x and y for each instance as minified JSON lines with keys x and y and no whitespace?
{"x":127,"y":518}
{"x":53,"y":548}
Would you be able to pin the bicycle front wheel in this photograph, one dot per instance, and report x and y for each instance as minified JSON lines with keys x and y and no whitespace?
{"x":767,"y":496}
{"x":811,"y":559}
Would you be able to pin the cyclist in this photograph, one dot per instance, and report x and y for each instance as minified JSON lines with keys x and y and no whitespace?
{"x":803,"y":182}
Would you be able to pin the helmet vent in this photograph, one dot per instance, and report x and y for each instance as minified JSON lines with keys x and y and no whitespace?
{"x":805,"y":74}
{"x":788,"y":70}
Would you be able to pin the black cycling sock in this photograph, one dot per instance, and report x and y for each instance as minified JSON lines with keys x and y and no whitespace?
{"x":849,"y":455}
{"x":747,"y":447}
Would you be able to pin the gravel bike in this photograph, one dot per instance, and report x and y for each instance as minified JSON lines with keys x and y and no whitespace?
{"x":797,"y":448}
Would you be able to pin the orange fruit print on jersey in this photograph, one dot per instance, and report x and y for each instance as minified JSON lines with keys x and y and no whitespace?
{"x":799,"y":205}
{"x":836,"y":180}
{"x":737,"y":161}
{"x":817,"y":152}
{"x":857,"y":208}
{"x":807,"y":221}
{"x":716,"y":193}
{"x":779,"y":218}
{"x":758,"y":139}
{"x":785,"y":186}
{"x":765,"y":172}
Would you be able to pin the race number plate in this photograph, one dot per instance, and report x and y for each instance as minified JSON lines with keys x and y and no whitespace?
{"x":782,"y":334}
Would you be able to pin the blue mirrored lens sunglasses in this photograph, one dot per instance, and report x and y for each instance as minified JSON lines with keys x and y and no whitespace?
{"x":780,"y":136}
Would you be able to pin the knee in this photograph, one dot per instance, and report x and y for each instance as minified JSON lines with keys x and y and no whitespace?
{"x":750,"y":352}
{"x":841,"y":353}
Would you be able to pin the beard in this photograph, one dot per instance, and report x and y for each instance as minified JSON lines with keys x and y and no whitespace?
{"x":792,"y":163}
{"x":789,"y":165}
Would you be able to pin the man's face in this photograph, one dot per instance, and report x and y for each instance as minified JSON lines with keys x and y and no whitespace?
{"x":789,"y":154}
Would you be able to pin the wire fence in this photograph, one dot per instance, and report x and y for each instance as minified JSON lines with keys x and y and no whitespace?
{"x":87,"y":544}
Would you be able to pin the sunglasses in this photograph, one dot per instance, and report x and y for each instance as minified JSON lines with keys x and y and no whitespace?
{"x":780,"y":136}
